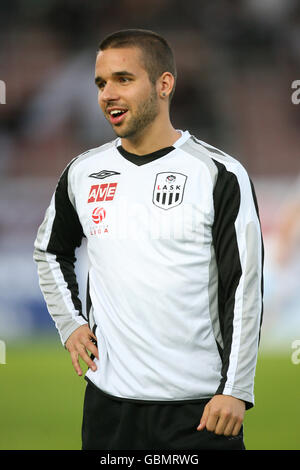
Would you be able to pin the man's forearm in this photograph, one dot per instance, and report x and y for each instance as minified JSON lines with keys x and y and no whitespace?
{"x":57,"y":294}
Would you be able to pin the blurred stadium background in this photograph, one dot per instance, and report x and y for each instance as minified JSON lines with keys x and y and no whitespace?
{"x":237,"y":61}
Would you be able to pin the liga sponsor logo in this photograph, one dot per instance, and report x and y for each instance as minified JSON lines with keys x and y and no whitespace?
{"x":102,"y":192}
{"x":98,"y":215}
{"x":100,"y":227}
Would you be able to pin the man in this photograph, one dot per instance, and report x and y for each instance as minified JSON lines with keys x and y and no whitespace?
{"x":174,"y":302}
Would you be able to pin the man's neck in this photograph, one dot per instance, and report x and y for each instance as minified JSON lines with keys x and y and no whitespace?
{"x":151,"y":140}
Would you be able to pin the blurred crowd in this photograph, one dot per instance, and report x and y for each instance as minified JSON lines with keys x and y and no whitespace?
{"x":236,"y":62}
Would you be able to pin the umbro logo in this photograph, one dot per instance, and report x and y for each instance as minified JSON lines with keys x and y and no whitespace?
{"x":103,"y":174}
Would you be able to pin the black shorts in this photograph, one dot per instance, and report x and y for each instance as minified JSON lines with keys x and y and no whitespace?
{"x":110,"y":423}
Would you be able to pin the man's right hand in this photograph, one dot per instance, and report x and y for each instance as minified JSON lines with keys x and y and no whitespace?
{"x":78,"y":344}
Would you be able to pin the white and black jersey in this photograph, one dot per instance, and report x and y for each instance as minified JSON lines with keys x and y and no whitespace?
{"x":175,"y":269}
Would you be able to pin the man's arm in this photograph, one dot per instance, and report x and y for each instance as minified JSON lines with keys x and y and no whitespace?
{"x":238,"y":250}
{"x":54,"y":252}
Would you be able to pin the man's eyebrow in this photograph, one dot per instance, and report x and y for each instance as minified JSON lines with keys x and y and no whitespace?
{"x":121,"y":73}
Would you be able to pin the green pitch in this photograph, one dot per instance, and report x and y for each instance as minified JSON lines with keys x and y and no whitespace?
{"x":42,"y":398}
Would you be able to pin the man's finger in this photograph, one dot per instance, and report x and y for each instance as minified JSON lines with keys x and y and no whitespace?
{"x":94,"y":350}
{"x":204,"y":417}
{"x":86,"y":358}
{"x":93,"y":336}
{"x":229,"y":427}
{"x":212,"y":420}
{"x":224,"y":421}
{"x":237,"y":427}
{"x":75,"y":362}
{"x":90,"y":345}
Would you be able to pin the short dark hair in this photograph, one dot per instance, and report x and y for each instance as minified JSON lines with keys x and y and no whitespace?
{"x":157,"y":54}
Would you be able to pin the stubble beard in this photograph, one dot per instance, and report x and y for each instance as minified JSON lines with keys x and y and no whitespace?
{"x":145,"y":115}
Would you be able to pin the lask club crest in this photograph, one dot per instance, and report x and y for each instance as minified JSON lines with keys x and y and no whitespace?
{"x":168,"y":189}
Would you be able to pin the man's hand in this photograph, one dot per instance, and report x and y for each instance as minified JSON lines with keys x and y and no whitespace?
{"x":223,"y":414}
{"x":78,"y":343}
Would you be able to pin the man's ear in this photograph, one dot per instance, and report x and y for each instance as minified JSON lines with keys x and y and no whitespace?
{"x":166,"y":83}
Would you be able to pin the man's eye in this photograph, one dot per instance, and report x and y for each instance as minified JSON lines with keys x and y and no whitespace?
{"x":124,"y":79}
{"x":101,"y":85}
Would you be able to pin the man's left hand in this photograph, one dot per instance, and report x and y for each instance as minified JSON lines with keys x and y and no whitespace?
{"x":223,"y":414}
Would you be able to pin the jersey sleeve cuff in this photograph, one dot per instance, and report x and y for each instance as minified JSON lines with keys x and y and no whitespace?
{"x":72,"y":326}
{"x":240,"y":394}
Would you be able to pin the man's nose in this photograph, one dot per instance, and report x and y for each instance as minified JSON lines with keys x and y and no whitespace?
{"x":109,"y":93}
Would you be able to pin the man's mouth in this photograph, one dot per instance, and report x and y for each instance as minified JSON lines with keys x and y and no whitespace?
{"x":117,"y":115}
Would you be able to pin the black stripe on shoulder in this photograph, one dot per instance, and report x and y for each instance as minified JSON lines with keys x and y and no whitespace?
{"x":67,"y":232}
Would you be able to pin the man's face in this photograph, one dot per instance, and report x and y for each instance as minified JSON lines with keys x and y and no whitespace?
{"x":126,"y":96}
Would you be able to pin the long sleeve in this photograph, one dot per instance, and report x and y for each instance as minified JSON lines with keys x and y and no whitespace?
{"x":238,"y":249}
{"x":54,"y":252}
